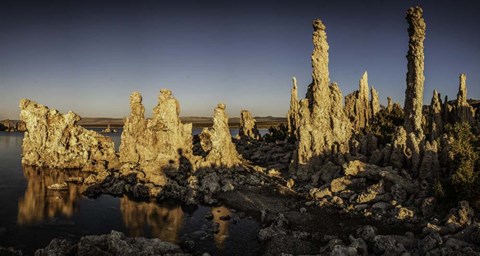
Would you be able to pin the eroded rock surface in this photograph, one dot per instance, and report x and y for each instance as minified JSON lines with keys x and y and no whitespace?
{"x":324,"y":128}
{"x":248,"y":126}
{"x":413,"y":140}
{"x":463,"y":112}
{"x":55,"y":140}
{"x":156,"y":144}
{"x":222,"y":151}
{"x":292,"y":115}
{"x":435,"y":117}
{"x":357,"y":105}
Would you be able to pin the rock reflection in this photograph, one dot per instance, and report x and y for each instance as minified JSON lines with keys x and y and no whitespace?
{"x":222,"y":235}
{"x":141,"y":218}
{"x":40,"y":203}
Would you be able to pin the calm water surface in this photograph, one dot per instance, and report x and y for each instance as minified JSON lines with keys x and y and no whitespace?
{"x":31,"y":215}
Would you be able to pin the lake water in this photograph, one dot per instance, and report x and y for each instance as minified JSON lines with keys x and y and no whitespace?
{"x":31,"y":215}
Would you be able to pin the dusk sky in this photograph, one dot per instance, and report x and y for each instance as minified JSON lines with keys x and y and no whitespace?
{"x":88,"y":56}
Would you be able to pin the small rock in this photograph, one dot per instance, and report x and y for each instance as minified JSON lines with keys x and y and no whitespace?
{"x":290,"y":183}
{"x":77,"y":180}
{"x":303,"y":210}
{"x":361,"y":207}
{"x":319,"y":193}
{"x":58,"y":186}
{"x":380,"y":205}
{"x":403,"y":213}
{"x":274,"y":173}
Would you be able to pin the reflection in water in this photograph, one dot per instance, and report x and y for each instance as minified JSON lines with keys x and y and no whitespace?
{"x":162,"y":221}
{"x":40,"y":203}
{"x":222,"y":235}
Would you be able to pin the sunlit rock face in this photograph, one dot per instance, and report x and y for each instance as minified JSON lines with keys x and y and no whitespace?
{"x":324,"y":127}
{"x":221,"y":151}
{"x":164,"y":222}
{"x":248,"y":126}
{"x":55,"y":140}
{"x":357,"y":105}
{"x":161,"y":142}
{"x":40,"y":203}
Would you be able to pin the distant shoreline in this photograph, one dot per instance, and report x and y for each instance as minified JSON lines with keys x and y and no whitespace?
{"x":197,"y":122}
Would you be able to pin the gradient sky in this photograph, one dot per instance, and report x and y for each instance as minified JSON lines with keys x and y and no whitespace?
{"x":88,"y":56}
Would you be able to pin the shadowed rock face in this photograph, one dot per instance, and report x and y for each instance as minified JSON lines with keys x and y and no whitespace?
{"x":248,"y":126}
{"x":157,"y":143}
{"x":463,"y":112}
{"x":222,"y":151}
{"x":326,"y":129}
{"x":435,"y":123}
{"x":292,"y":116}
{"x":55,"y":140}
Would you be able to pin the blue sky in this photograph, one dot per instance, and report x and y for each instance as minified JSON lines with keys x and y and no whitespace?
{"x":88,"y":56}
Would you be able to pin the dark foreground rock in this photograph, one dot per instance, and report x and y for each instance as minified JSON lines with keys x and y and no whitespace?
{"x":115,"y":243}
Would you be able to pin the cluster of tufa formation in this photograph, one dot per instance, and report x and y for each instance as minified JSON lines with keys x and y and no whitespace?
{"x":55,"y":140}
{"x":386,"y":164}
{"x":156,"y":144}
{"x":217,"y":142}
{"x":359,"y":108}
{"x":324,"y":129}
{"x":248,"y":126}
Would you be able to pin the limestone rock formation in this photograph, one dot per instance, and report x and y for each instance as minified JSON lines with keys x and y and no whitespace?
{"x":222,"y":151}
{"x":374,"y":103}
{"x":55,"y":140}
{"x":430,"y":167}
{"x":413,"y":95}
{"x":248,"y":126}
{"x":292,"y":116}
{"x":463,"y":112}
{"x":389,"y":104}
{"x":435,"y":122}
{"x":462,"y":91}
{"x":357,"y":105}
{"x":415,"y":77}
{"x":324,"y":127}
{"x":158,"y":143}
